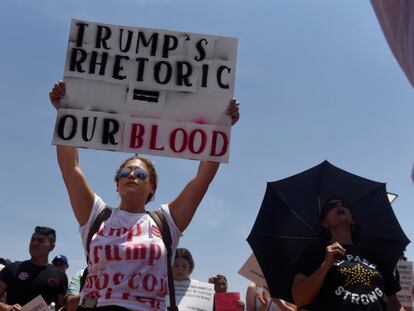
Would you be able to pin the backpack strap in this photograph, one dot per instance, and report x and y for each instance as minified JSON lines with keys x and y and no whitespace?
{"x":102,"y":216}
{"x":83,"y":277}
{"x":162,"y":224}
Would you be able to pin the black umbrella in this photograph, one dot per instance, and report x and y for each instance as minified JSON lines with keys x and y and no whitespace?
{"x":288,"y":221}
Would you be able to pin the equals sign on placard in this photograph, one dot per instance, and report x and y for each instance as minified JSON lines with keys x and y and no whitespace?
{"x":143,"y":95}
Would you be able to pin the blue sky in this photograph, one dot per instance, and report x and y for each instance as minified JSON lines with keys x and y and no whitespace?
{"x":316,"y":80}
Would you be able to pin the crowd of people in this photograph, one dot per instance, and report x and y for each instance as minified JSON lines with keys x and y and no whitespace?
{"x":317,"y":286}
{"x":20,"y":282}
{"x":131,"y":252}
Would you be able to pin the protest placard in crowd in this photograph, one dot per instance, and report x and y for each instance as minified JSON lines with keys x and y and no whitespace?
{"x":251,"y":271}
{"x":227,"y":301}
{"x":405,"y":270}
{"x":149,"y":91}
{"x":36,"y":304}
{"x":194,"y":295}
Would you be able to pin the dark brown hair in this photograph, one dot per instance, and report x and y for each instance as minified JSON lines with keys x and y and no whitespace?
{"x":185,"y":254}
{"x":47,"y":232}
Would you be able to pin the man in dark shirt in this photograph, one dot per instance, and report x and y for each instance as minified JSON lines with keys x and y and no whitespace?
{"x":23,"y":281}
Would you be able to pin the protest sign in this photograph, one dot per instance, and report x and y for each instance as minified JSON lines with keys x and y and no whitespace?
{"x":405,"y":270}
{"x":147,"y":91}
{"x":36,"y":304}
{"x":227,"y":301}
{"x":194,"y":295}
{"x":251,"y":271}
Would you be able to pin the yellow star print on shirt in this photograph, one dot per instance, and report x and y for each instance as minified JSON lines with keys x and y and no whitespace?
{"x":358,"y":274}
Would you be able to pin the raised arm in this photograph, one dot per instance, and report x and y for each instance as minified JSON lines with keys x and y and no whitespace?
{"x":251,"y":298}
{"x":80,"y":194}
{"x":185,"y":205}
{"x":305,"y":288}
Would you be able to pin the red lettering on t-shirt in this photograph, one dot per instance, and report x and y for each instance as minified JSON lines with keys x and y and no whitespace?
{"x":103,"y":281}
{"x":155,"y":253}
{"x":95,"y":256}
{"x":117,"y":231}
{"x":163,"y":286}
{"x":112,"y":253}
{"x":117,"y":278}
{"x":136,"y":251}
{"x":108,"y":294}
{"x":134,"y":231}
{"x":90,"y":281}
{"x":149,"y":282}
{"x":133,"y":281}
{"x":154,"y":302}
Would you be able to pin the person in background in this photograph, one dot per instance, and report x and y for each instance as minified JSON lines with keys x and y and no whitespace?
{"x":258,"y":299}
{"x":23,"y":281}
{"x":61,"y":262}
{"x":221,"y":286}
{"x":220,"y":283}
{"x":72,"y":297}
{"x":183,"y":264}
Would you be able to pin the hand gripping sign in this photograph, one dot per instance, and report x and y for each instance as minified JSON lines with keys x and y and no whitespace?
{"x":147,"y":91}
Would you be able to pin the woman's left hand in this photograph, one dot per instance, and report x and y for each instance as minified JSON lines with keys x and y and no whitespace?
{"x":233,"y":111}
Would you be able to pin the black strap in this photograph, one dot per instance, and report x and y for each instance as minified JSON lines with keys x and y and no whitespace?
{"x":162,"y":224}
{"x":102,"y":216}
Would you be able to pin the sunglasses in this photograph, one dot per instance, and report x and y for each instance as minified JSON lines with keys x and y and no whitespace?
{"x":125,"y":172}
{"x":332,"y":205}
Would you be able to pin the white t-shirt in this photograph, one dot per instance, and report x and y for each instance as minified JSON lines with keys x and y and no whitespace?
{"x":127,"y":259}
{"x":397,"y":22}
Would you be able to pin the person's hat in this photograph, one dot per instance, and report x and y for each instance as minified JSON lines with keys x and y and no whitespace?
{"x":61,"y":258}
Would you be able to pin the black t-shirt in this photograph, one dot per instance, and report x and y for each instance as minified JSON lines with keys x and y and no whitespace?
{"x":26,"y":281}
{"x":355,"y":282}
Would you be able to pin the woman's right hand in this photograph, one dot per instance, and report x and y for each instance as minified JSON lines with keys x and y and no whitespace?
{"x":333,"y":253}
{"x":57,"y":93}
{"x":262,"y":298}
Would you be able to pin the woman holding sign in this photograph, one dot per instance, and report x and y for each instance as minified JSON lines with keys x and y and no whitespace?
{"x":127,"y":259}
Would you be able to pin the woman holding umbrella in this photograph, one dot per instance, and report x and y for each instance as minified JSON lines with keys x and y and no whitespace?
{"x":342,"y":275}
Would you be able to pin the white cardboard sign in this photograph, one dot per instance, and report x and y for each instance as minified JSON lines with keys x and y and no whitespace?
{"x":194,"y":295}
{"x":147,"y":91}
{"x":405,"y":296}
{"x":36,"y":304}
{"x":251,"y":271}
